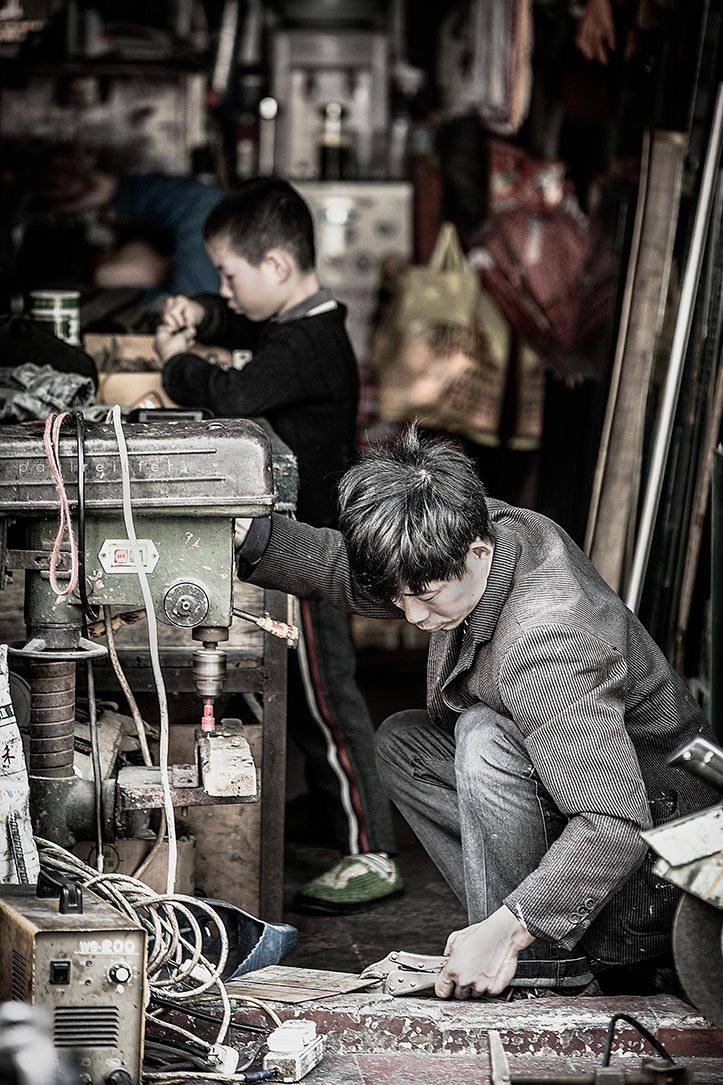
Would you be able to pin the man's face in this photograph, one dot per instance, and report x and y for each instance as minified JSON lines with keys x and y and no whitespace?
{"x":253,"y":292}
{"x":446,"y":603}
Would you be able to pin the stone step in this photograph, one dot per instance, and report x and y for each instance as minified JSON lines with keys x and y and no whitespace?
{"x":409,"y":1068}
{"x":556,"y":1027}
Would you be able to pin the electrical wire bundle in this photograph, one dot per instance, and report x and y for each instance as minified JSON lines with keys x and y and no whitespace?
{"x":177,"y":969}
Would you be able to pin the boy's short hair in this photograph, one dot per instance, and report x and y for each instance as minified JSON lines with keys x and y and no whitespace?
{"x":409,"y":513}
{"x":262,"y":214}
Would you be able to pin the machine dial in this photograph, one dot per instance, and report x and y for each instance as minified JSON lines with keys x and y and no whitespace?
{"x":120,"y":973}
{"x":186,"y":604}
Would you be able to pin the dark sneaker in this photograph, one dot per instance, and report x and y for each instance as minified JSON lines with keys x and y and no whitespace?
{"x":356,"y":882}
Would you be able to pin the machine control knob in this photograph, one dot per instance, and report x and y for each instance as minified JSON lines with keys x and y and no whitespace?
{"x":119,"y":973}
{"x":186,"y":604}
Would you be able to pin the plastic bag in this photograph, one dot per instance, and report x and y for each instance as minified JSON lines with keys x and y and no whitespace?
{"x":441,"y":353}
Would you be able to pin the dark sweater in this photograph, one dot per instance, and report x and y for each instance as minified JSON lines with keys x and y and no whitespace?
{"x":303,"y":378}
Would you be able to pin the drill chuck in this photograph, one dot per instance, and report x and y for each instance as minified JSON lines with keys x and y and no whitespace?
{"x":209,"y":671}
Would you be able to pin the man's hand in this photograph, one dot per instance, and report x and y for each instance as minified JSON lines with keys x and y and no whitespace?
{"x":483,"y":957}
{"x":596,"y":33}
{"x":169,"y":341}
{"x":182,"y":312}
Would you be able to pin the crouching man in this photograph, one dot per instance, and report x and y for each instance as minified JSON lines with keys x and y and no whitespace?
{"x":550,"y":713}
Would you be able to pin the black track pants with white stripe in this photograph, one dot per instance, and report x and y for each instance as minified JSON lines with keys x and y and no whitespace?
{"x":329,"y":722}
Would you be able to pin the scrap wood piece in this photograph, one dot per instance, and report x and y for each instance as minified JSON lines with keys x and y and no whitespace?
{"x":616,"y":483}
{"x":279,"y":983}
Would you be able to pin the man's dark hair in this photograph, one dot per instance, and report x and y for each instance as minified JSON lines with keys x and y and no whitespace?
{"x":409,"y":513}
{"x":263,"y":214}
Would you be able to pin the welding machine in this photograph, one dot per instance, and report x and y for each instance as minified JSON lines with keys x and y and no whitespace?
{"x":67,"y":950}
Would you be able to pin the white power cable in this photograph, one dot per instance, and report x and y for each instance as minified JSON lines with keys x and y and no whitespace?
{"x":177,"y":968}
{"x":153,"y":647}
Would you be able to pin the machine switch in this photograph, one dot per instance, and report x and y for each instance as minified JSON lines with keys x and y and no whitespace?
{"x":59,"y":972}
{"x":119,"y":973}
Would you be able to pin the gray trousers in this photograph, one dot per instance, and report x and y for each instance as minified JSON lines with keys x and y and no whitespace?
{"x":482,"y":819}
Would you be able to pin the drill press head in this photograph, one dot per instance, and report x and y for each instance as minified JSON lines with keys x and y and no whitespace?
{"x":209,"y":670}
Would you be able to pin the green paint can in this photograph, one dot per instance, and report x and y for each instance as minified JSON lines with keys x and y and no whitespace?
{"x":59,"y":310}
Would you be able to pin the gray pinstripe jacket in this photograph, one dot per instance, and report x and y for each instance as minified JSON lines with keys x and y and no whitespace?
{"x":598,"y":706}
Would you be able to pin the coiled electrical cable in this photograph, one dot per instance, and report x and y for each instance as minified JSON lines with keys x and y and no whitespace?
{"x":177,"y":968}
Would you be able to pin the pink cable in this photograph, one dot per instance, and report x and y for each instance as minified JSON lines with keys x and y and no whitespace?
{"x":51,"y":445}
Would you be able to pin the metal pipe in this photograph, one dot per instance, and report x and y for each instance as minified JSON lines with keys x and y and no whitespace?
{"x":716,"y":597}
{"x":678,"y":350}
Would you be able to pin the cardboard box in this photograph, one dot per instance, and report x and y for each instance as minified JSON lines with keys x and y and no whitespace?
{"x":133,"y":390}
{"x":130,"y":370}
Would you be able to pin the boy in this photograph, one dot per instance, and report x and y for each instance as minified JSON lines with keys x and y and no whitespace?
{"x":303,"y":378}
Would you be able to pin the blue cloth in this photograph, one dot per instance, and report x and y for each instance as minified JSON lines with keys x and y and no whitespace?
{"x":180,"y":205}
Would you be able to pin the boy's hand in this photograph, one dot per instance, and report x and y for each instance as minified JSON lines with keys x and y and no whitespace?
{"x":169,"y":341}
{"x":483,"y":957}
{"x":182,"y":312}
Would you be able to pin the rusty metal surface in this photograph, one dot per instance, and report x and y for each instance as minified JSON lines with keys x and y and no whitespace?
{"x":140,"y":788}
{"x":52,"y":719}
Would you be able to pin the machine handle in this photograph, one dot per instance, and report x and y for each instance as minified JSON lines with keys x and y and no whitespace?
{"x":69,"y":894}
{"x":702,"y":758}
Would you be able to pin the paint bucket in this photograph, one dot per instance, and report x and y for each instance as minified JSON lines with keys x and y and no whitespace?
{"x":59,"y":311}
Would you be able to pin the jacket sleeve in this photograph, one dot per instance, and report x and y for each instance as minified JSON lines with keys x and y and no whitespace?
{"x":565,"y":690}
{"x":273,"y":378}
{"x":313,"y":563}
{"x":222,"y":328}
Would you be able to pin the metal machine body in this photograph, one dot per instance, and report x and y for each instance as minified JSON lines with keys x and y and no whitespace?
{"x":189,"y":481}
{"x":690,"y":855}
{"x":86,"y":969}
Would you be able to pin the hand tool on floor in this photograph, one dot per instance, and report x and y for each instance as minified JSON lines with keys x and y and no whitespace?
{"x":402,"y":973}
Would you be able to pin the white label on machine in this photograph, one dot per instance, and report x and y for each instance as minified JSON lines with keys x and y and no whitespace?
{"x":116,"y":555}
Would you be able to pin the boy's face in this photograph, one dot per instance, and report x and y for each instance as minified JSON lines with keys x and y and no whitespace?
{"x":254,"y":292}
{"x":446,"y":603}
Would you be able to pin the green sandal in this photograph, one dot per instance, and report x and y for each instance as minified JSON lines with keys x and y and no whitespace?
{"x":356,"y":882}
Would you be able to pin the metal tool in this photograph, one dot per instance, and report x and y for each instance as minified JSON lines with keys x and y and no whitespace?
{"x":690,"y":855}
{"x":702,"y":758}
{"x":275,"y":628}
{"x":402,"y":973}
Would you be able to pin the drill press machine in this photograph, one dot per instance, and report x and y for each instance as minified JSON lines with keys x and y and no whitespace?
{"x":187,"y":482}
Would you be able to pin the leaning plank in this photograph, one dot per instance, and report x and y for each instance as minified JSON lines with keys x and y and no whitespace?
{"x":615,"y":514}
